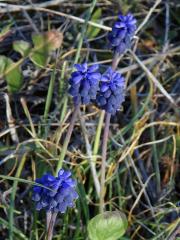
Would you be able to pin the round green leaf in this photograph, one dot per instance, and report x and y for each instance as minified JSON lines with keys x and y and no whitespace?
{"x":107,"y":226}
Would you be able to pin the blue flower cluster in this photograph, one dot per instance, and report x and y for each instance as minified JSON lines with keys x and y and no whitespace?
{"x":60,"y":197}
{"x":122,"y":32}
{"x":84,"y":83}
{"x":111,"y":93}
{"x":87,"y":85}
{"x":108,"y":90}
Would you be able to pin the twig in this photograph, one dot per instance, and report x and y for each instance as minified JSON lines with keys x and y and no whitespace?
{"x":152,"y":77}
{"x":30,"y":21}
{"x":153,"y":142}
{"x":10,"y":120}
{"x":155,"y":58}
{"x":139,"y":196}
{"x":16,"y":8}
{"x":37,"y":7}
{"x":144,"y":174}
{"x":9,"y":156}
{"x":135,"y":138}
{"x":138,"y":177}
{"x":175,"y":233}
{"x":48,"y":219}
{"x":148,"y":16}
{"x":51,"y":226}
{"x":167,"y":25}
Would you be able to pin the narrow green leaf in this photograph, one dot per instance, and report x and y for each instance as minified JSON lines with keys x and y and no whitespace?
{"x":178,"y":142}
{"x":22,"y":47}
{"x":92,"y":32}
{"x":24,"y":181}
{"x":12,"y":198}
{"x":15,"y":230}
{"x":12,"y":74}
{"x":107,"y":226}
{"x":50,"y":94}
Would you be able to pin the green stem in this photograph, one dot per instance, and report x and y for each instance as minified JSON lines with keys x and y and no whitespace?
{"x":98,"y":135}
{"x":64,"y":109}
{"x":103,"y":164}
{"x":84,"y":30}
{"x":13,"y":194}
{"x":62,"y":87}
{"x":67,"y":139}
{"x":49,"y":95}
{"x":155,"y":158}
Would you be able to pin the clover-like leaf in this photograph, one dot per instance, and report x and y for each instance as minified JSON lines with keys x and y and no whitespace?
{"x":4,"y":32}
{"x":11,"y":72}
{"x":22,"y":47}
{"x":44,"y":43}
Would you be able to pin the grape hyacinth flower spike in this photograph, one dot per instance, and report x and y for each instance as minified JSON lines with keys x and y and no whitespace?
{"x":111,"y":93}
{"x":84,"y":83}
{"x":61,"y":196}
{"x":122,"y":33}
